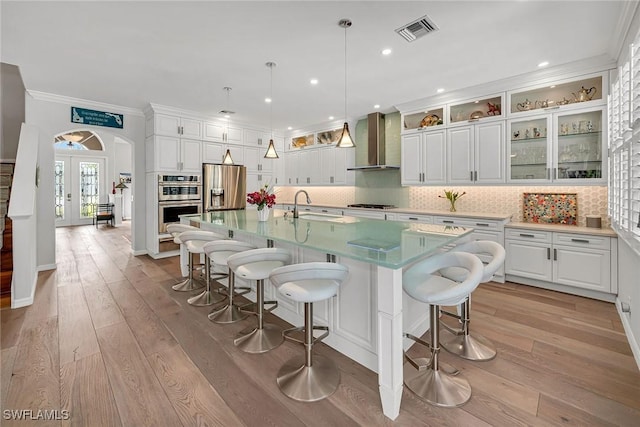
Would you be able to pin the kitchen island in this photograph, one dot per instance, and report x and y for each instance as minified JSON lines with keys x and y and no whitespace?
{"x":370,"y":313}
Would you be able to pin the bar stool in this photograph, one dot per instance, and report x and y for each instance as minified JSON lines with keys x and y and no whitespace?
{"x":219,"y":252}
{"x":175,"y":230}
{"x":308,"y":378}
{"x":257,"y":264}
{"x":194,"y":241}
{"x":462,"y":343}
{"x":421,"y":282}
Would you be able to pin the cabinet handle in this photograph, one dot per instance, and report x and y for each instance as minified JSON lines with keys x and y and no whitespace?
{"x":580,"y":240}
{"x":260,"y":177}
{"x":324,"y":210}
{"x":548,"y":253}
{"x":259,"y":141}
{"x":259,"y":167}
{"x":470,"y":175}
{"x":482,"y":224}
{"x":555,"y":254}
{"x":446,"y":221}
{"x":555,"y":175}
{"x":475,"y":175}
{"x":526,"y":235}
{"x":413,"y":218}
{"x":331,"y":180}
{"x":548,"y":173}
{"x":552,"y":108}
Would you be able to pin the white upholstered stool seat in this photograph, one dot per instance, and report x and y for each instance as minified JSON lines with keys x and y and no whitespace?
{"x":219,"y":252}
{"x":194,"y":240}
{"x":175,"y":230}
{"x":257,"y":264}
{"x":460,"y":341}
{"x":423,"y":376}
{"x":310,"y":377}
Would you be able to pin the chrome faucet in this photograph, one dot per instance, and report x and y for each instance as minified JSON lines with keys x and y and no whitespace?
{"x":295,"y":202}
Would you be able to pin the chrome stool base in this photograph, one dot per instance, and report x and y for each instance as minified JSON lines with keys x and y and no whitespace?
{"x":188,"y":285}
{"x":205,"y":298}
{"x":255,"y":340}
{"x":436,"y":386}
{"x":227,"y":314}
{"x":308,"y":383}
{"x":470,"y":347}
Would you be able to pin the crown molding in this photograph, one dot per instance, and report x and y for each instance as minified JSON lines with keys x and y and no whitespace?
{"x":583,"y":67}
{"x":622,"y":29}
{"x":62,"y":99}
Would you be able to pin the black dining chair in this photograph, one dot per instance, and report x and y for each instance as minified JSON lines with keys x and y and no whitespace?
{"x":104,"y":212}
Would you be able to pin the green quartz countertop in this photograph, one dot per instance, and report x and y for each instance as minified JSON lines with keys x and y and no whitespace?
{"x":392,"y":244}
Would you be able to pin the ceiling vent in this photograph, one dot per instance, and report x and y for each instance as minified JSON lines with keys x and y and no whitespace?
{"x":418,"y":28}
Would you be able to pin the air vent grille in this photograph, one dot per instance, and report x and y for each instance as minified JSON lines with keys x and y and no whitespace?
{"x":416,"y":29}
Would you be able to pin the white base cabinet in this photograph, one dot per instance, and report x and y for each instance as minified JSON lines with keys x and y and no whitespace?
{"x":578,"y":263}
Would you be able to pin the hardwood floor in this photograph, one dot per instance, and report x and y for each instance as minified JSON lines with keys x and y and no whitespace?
{"x":108,"y":341}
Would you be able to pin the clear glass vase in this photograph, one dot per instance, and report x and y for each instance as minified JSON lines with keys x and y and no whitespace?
{"x":263,"y":214}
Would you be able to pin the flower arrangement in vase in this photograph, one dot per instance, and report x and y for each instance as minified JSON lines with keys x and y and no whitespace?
{"x":263,"y":199}
{"x":452,"y":197}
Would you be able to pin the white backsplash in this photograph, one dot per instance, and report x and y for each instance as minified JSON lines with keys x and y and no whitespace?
{"x":592,"y":200}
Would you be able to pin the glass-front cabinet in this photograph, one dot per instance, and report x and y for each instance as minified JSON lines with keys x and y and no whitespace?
{"x":559,"y":147}
{"x":429,"y":118}
{"x":529,"y":148}
{"x":476,"y":110}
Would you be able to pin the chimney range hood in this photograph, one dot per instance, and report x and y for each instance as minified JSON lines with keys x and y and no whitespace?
{"x":375,"y":145}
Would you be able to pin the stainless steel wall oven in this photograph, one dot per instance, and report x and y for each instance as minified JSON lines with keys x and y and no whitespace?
{"x":177,"y":195}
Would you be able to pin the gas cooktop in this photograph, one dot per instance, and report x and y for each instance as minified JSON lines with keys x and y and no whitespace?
{"x":370,"y":206}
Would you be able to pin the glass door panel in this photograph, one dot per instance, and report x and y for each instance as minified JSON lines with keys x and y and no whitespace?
{"x":579,"y":145}
{"x":78,"y":188}
{"x":529,"y":149}
{"x":89,"y":188}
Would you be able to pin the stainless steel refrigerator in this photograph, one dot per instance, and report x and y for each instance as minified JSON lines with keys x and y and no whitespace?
{"x":223,"y":187}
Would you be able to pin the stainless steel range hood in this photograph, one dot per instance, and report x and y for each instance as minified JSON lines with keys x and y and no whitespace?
{"x":375,"y":145}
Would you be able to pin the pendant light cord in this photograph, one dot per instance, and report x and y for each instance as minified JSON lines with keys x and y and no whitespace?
{"x":345,"y":72}
{"x":271,"y":97}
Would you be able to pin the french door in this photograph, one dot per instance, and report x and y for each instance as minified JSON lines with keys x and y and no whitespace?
{"x":79,"y":187}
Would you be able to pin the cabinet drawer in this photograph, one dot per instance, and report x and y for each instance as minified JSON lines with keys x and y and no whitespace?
{"x":467,"y":222}
{"x":426,"y":219}
{"x":529,"y":235}
{"x":582,"y":240}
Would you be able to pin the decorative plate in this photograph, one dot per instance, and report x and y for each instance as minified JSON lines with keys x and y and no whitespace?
{"x":550,"y":208}
{"x":476,"y":115}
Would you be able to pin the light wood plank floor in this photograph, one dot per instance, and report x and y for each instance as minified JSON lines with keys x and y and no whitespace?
{"x":109,"y":341}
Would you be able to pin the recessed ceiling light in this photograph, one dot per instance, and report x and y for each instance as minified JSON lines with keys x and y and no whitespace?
{"x":543,"y":64}
{"x":440,"y":90}
{"x":552,"y":86}
{"x":289,"y":128}
{"x":331,"y":117}
{"x":313,"y":81}
{"x":376,"y":106}
{"x":267,"y":100}
{"x":226,"y":116}
{"x":386,"y":51}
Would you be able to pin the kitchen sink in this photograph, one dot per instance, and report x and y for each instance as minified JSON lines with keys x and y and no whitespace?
{"x":328,"y":217}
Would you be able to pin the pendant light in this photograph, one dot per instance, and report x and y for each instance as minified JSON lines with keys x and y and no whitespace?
{"x":227,"y":160}
{"x":271,"y":150}
{"x":345,"y":140}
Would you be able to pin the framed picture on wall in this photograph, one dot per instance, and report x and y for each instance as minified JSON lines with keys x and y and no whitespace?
{"x":125,"y":177}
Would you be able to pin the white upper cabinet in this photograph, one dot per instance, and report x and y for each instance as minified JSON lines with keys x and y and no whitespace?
{"x":476,"y":110}
{"x":475,"y":154}
{"x":177,"y":126}
{"x":170,"y":154}
{"x":333,"y":166}
{"x":423,"y":158}
{"x":221,"y":132}
{"x":566,"y":146}
{"x":212,"y":152}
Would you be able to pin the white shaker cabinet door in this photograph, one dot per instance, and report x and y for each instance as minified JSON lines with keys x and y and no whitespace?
{"x":583,"y":268}
{"x":411,"y":152}
{"x":528,"y":259}
{"x":460,"y":144}
{"x":190,"y":156}
{"x":434,"y":157}
{"x":489,"y":153}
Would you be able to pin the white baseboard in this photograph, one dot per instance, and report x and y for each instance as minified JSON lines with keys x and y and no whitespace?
{"x":633,"y":343}
{"x":23,"y":302}
{"x":46,"y":267}
{"x":140,"y":252}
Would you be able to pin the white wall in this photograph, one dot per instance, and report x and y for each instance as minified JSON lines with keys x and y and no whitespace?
{"x":52,"y":115}
{"x":122,"y":163}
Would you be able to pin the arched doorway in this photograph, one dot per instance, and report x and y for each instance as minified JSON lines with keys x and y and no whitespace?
{"x":79,"y":176}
